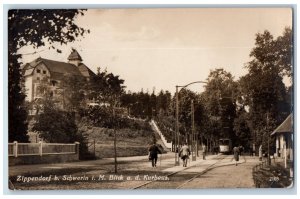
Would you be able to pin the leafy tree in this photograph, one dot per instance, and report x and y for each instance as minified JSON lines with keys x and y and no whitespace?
{"x":220,"y":104}
{"x":242,"y":128}
{"x":164,"y":102}
{"x":73,"y":92}
{"x":106,"y":88}
{"x":262,"y":90}
{"x":55,"y":125}
{"x":36,"y":28}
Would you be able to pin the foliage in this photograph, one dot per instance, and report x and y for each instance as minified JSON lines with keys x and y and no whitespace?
{"x":73,"y":92}
{"x":101,"y":116}
{"x":144,"y":105}
{"x":106,"y":88}
{"x":36,"y":28}
{"x":262,"y":90}
{"x":242,"y":129}
{"x":220,"y":104}
{"x":55,"y":125}
{"x":17,"y":113}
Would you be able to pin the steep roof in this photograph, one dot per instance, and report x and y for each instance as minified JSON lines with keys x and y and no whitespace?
{"x":57,"y":69}
{"x":285,"y":127}
{"x":74,"y":55}
{"x":85,"y":71}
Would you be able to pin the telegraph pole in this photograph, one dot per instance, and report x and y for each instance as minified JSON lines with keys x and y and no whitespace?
{"x":269,"y":160}
{"x":177,"y":130}
{"x":193,"y":132}
{"x":115,"y":143}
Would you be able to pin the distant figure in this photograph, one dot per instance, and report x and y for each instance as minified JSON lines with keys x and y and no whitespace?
{"x":260,"y":153}
{"x":236,"y":153}
{"x":204,"y":151}
{"x":241,"y":149}
{"x":253,"y":149}
{"x":184,"y":154}
{"x":216,"y":150}
{"x":153,"y":151}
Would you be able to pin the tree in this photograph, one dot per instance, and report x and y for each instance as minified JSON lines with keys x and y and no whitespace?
{"x":106,"y":88}
{"x":36,"y":28}
{"x":262,"y":90}
{"x":73,"y":92}
{"x":220,"y":103}
{"x":56,"y":126}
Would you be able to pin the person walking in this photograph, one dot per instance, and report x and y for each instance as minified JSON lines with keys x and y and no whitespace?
{"x":260,"y":153}
{"x":153,"y":151}
{"x":184,"y":154}
{"x":204,"y":151}
{"x":236,"y":153}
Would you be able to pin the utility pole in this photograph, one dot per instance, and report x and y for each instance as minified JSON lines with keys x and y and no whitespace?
{"x":193,"y":132}
{"x":177,"y":119}
{"x":177,"y":130}
{"x":269,"y":160}
{"x":115,"y":142}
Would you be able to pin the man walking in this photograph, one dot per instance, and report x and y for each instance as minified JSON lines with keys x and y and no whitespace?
{"x":153,"y":151}
{"x":204,"y":151}
{"x":236,"y":153}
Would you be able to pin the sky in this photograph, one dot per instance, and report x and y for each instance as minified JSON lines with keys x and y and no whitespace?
{"x":161,"y":48}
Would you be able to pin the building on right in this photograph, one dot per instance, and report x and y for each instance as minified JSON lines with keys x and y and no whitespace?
{"x":284,"y":140}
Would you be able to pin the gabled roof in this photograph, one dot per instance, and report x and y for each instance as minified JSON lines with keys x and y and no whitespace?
{"x":74,"y":55}
{"x":85,"y":71}
{"x":286,"y":126}
{"x":58,"y":69}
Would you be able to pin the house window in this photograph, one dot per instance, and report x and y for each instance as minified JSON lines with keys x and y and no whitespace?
{"x":44,"y":72}
{"x":38,"y":78}
{"x":53,"y":83}
{"x":38,"y":71}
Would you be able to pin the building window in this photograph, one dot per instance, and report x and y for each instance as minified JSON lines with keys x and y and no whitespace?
{"x":53,"y":83}
{"x":38,"y":78}
{"x":44,"y":72}
{"x":38,"y":70}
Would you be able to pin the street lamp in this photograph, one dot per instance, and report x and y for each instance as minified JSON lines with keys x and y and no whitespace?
{"x":177,"y":120}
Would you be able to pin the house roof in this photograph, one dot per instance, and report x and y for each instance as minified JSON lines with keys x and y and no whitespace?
{"x":285,"y":127}
{"x":85,"y":71}
{"x":74,"y":55}
{"x":57,"y":69}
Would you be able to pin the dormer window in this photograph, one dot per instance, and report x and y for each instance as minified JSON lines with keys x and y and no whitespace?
{"x":38,"y":71}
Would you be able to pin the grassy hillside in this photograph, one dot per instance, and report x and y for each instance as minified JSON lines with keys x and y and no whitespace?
{"x":130,"y":141}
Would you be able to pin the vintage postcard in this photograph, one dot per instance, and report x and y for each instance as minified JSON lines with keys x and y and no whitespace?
{"x":150,"y":98}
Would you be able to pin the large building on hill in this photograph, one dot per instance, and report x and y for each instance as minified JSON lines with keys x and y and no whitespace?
{"x":54,"y":71}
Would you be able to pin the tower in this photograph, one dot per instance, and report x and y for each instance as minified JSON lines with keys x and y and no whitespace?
{"x":74,"y":58}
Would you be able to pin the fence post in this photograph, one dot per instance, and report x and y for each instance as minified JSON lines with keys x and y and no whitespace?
{"x":77,"y":149}
{"x":41,"y":148}
{"x":15,"y":148}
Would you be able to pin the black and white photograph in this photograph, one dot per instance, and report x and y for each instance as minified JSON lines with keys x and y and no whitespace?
{"x":151,"y":98}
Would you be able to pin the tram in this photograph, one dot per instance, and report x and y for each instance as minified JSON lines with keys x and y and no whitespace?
{"x":225,"y":145}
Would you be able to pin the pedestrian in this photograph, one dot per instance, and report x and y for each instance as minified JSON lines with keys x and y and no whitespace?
{"x":204,"y":151}
{"x":236,"y":153}
{"x":241,"y":149}
{"x":153,"y":151}
{"x":251,"y":150}
{"x":260,"y":153}
{"x":184,"y":153}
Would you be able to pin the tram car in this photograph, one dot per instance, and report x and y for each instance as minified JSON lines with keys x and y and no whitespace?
{"x":225,"y":145}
